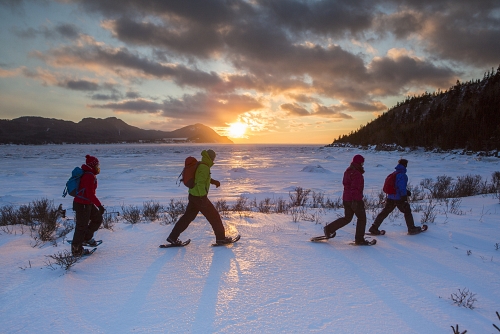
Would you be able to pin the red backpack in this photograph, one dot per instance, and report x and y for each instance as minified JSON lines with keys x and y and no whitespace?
{"x":189,"y":171}
{"x":390,"y":184}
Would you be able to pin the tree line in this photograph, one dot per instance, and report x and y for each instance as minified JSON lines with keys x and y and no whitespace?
{"x":466,"y":116}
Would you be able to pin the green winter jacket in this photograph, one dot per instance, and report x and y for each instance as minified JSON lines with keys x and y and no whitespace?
{"x":202,"y":176}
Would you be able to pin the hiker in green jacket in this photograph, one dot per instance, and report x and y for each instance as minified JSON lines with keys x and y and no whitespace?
{"x":198,"y":202}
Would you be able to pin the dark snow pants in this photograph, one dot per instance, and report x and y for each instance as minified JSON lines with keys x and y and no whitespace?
{"x":88,"y":220}
{"x":351,"y":208}
{"x":390,"y":205}
{"x":195,"y":205}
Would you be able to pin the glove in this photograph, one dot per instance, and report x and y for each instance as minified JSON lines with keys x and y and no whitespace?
{"x":215,"y":183}
{"x":101,"y":210}
{"x":404,"y":198}
{"x":408,"y":193}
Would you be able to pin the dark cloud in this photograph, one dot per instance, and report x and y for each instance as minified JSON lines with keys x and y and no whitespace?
{"x":64,"y":30}
{"x":463,"y":31}
{"x":105,"y":97}
{"x":209,"y":109}
{"x":333,"y":18}
{"x":295,"y":109}
{"x":83,"y":85}
{"x":190,"y":40}
{"x":402,"y":70}
{"x":134,"y":106}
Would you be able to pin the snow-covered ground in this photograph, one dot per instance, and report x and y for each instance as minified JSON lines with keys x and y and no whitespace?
{"x":274,"y":280}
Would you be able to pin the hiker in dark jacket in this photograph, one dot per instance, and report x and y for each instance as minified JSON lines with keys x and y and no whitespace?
{"x":88,"y":208}
{"x":399,"y":200}
{"x":198,"y":202}
{"x":352,"y":199}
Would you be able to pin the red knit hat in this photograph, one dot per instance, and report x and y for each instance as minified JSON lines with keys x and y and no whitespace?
{"x":358,"y":159}
{"x":91,"y":161}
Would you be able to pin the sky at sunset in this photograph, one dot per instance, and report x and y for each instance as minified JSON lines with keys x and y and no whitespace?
{"x":259,"y":71}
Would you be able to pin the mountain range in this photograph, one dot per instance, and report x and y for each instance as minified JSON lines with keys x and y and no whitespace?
{"x":39,"y":130}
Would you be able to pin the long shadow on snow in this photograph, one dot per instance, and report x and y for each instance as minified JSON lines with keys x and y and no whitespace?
{"x":137,"y":299}
{"x":207,"y":305}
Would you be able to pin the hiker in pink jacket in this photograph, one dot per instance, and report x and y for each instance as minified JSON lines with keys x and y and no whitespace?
{"x":352,"y":199}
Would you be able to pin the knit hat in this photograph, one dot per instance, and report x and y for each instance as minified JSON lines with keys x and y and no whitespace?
{"x":211,"y":154}
{"x":358,"y":159}
{"x":91,"y":161}
{"x":403,"y":162}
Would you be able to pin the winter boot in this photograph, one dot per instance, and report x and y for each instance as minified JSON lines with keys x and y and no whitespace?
{"x":374,"y":230}
{"x":79,"y":251}
{"x":362,"y":242}
{"x":329,"y":234}
{"x":225,"y":241}
{"x":414,"y":230}
{"x":90,"y":243}
{"x":174,"y":242}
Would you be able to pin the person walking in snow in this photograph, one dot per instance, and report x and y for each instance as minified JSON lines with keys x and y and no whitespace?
{"x":399,"y":200}
{"x":198,"y":202}
{"x":352,"y":198}
{"x":88,"y":209}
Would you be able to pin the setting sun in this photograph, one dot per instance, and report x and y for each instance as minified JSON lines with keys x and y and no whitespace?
{"x":237,"y":130}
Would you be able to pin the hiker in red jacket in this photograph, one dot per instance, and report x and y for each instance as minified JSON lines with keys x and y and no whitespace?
{"x":352,"y":199}
{"x":88,"y":208}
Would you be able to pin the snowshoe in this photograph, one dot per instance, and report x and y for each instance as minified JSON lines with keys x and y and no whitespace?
{"x":175,"y":243}
{"x":226,"y":241}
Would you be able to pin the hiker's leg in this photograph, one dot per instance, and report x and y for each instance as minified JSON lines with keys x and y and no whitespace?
{"x":213,"y":217}
{"x":95,"y":223}
{"x":360,"y":212}
{"x":343,"y":221}
{"x":186,"y":219}
{"x":386,"y":211}
{"x":82,"y":217}
{"x":405,"y":208}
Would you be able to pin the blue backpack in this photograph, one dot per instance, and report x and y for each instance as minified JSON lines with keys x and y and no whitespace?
{"x":73,"y":184}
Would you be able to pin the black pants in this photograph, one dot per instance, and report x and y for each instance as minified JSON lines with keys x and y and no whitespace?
{"x":390,"y":205}
{"x":351,"y":208}
{"x":199,"y":204}
{"x":88,"y":220}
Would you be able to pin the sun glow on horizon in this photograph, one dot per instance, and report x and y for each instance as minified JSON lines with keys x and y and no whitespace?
{"x":237,"y":130}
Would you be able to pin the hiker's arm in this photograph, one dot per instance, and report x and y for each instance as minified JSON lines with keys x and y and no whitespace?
{"x":215,"y":183}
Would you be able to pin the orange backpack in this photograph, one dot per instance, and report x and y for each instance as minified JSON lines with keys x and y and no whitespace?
{"x":189,"y":171}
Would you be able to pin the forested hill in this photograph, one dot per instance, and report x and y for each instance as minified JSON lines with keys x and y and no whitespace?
{"x":467,"y":116}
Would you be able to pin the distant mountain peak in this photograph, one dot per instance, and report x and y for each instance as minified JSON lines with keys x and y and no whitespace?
{"x":33,"y":130}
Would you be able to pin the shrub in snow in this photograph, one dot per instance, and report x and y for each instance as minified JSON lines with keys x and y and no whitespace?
{"x":222,"y":207}
{"x":318,"y":199}
{"x":299,"y":197}
{"x":175,"y":209}
{"x":109,"y":219}
{"x":131,"y":214}
{"x":457,"y":331}
{"x":241,"y":205}
{"x":265,"y":205}
{"x":151,"y":210}
{"x":498,"y":328}
{"x":63,"y":259}
{"x":464,"y":298}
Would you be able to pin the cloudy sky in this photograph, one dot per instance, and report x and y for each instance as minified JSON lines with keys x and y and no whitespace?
{"x":267,"y":71}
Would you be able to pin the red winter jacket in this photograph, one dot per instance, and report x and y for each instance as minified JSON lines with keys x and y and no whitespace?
{"x":354,"y":183}
{"x":88,"y":182}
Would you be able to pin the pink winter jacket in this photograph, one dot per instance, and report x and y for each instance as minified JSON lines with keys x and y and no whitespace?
{"x":354,"y":183}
